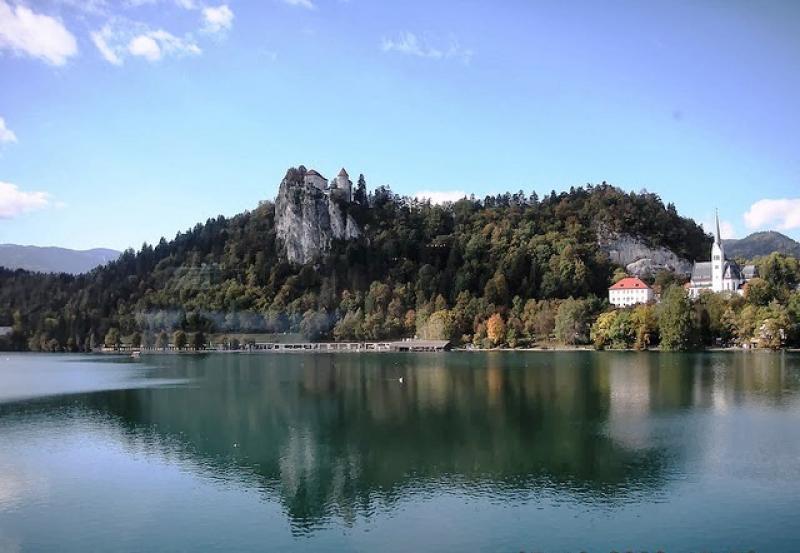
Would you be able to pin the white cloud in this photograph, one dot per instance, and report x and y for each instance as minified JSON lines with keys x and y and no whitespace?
{"x":307,"y":4}
{"x":440,"y":196}
{"x":6,"y":134}
{"x":727,"y":230}
{"x":39,"y":36}
{"x":154,"y":45}
{"x":14,"y":202}
{"x":146,"y":47}
{"x":126,"y":38}
{"x":782,"y":214}
{"x":410,"y":44}
{"x":217,"y":19}
{"x":101,"y":40}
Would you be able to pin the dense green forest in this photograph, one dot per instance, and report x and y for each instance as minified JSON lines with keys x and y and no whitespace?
{"x":759,"y":244}
{"x":507,"y":270}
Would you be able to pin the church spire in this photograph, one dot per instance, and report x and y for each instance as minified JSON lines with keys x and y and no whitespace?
{"x":718,"y":236}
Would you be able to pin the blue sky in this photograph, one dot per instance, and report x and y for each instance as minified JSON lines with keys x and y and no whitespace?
{"x":125,"y":121}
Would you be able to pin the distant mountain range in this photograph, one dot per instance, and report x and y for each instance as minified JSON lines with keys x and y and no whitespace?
{"x":54,"y":260}
{"x":761,"y":243}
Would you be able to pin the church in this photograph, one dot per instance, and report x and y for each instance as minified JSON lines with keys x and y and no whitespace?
{"x":720,"y":274}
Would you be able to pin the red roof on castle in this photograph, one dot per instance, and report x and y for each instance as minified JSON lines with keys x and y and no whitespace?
{"x":343,"y":173}
{"x":314,"y":173}
{"x":629,"y":283}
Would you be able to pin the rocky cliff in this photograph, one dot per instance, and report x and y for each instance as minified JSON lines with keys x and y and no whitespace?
{"x":307,"y":220}
{"x":638,"y":258}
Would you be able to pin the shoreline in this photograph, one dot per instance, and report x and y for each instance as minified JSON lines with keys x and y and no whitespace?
{"x":554,"y":349}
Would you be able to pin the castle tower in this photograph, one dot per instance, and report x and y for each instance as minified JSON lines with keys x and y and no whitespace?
{"x":313,"y":178}
{"x":717,"y":259}
{"x":343,"y":183}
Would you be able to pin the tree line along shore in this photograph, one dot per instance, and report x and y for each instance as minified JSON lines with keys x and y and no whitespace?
{"x":505,"y":271}
{"x":767,"y":316}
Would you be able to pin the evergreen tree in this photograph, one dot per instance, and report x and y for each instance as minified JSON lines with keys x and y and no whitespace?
{"x":360,"y":193}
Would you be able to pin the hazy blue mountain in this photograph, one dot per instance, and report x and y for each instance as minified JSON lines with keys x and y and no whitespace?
{"x":761,"y":243}
{"x":54,"y":260}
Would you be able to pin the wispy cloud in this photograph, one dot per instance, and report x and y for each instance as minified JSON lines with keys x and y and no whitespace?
{"x":123,"y":39}
{"x":24,"y":31}
{"x":6,"y":134}
{"x":410,"y":44}
{"x":185,"y":4}
{"x":440,"y":196}
{"x":782,"y":214}
{"x":217,"y":19}
{"x":154,"y":45}
{"x":307,"y":4}
{"x":15,"y":202}
{"x":88,"y":7}
{"x":101,"y":40}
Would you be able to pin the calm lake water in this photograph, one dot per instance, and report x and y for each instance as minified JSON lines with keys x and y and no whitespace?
{"x":471,"y":452}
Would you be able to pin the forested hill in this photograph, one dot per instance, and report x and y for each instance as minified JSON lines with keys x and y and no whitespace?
{"x":53,"y":260}
{"x":412,"y":261}
{"x":760,"y":244}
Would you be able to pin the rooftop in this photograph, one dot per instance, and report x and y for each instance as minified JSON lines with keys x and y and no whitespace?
{"x":629,"y":283}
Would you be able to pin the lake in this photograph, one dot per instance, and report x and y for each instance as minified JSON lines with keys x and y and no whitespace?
{"x":562,"y":451}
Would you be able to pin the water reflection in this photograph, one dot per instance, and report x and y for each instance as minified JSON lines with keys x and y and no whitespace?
{"x":340,"y":436}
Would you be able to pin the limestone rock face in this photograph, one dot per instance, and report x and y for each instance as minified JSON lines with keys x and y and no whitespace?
{"x":307,"y":220}
{"x":343,"y":226}
{"x":638,"y":258}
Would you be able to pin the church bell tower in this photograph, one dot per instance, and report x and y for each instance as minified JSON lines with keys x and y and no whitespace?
{"x":717,"y":259}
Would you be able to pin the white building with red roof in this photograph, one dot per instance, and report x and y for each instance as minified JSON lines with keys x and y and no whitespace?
{"x":630,"y":291}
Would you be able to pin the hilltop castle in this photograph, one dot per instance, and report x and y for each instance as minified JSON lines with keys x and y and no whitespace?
{"x":311,"y":213}
{"x":341,"y":182}
{"x":720,"y":274}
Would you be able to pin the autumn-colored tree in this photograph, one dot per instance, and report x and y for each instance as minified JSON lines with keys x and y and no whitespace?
{"x":644,"y":320}
{"x":758,"y":291}
{"x":438,"y":326}
{"x":179,"y":339}
{"x":601,"y":329}
{"x":774,"y":326}
{"x":496,"y":329}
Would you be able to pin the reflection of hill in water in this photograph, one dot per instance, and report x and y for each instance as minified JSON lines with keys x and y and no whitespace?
{"x":339,"y":435}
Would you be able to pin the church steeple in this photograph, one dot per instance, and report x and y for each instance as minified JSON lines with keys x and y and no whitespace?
{"x":717,"y":258}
